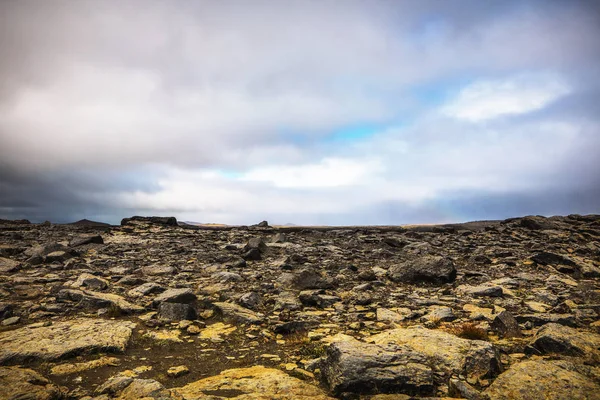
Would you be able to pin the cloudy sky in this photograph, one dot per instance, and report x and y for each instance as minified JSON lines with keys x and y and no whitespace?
{"x":307,"y":112}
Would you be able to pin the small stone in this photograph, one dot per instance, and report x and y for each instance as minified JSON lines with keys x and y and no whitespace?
{"x":506,"y":325}
{"x":11,"y":321}
{"x":175,"y":372}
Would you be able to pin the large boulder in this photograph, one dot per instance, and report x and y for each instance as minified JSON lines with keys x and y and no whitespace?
{"x":358,"y":367}
{"x":451,"y":354}
{"x":255,"y":382}
{"x":26,"y":384}
{"x":560,"y":339}
{"x":538,"y":379}
{"x":64,"y":339}
{"x":429,"y":269}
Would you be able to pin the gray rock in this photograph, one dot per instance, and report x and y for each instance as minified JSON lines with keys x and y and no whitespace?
{"x":58,"y":256}
{"x":317,"y":298}
{"x":255,"y":243}
{"x":249,"y":300}
{"x":368,"y":368}
{"x":287,"y":301}
{"x":43,"y":250}
{"x":225,"y":277}
{"x":430,"y":269}
{"x":114,"y":385}
{"x":279,"y":238}
{"x":183,"y":295}
{"x":304,"y":279}
{"x":482,"y":290}
{"x":91,"y":281}
{"x":157,"y":270}
{"x":11,"y":321}
{"x":176,"y":311}
{"x":443,"y":314}
{"x":83,"y":240}
{"x":145,"y":289}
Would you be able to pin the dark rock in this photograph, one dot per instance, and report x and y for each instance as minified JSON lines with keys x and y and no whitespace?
{"x":547,"y":258}
{"x":146,"y":289}
{"x":252,"y":255}
{"x":167,"y":221}
{"x":317,"y":298}
{"x":287,"y":328}
{"x":263,"y":224}
{"x":249,"y":300}
{"x":255,"y":243}
{"x":58,"y":256}
{"x":506,"y":325}
{"x":176,"y":311}
{"x":225,"y":277}
{"x":463,"y":390}
{"x":6,"y":310}
{"x":82,"y":240}
{"x":559,"y":339}
{"x":430,"y":269}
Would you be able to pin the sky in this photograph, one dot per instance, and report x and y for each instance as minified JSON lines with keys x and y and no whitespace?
{"x":308,"y":112}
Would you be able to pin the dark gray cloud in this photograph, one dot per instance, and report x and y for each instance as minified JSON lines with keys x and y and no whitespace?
{"x":222,"y":111}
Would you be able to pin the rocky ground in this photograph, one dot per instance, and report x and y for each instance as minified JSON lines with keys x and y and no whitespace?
{"x":151,"y":309}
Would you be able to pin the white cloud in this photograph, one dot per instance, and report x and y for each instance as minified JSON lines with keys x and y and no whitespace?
{"x":328,"y":173}
{"x":488,"y":99}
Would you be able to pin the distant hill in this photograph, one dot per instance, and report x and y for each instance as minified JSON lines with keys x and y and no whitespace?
{"x":88,"y":223}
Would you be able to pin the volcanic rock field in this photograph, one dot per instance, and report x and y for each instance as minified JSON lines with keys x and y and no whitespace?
{"x":156,"y":309}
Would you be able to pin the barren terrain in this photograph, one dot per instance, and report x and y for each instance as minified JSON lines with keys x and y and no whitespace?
{"x":159,"y":310}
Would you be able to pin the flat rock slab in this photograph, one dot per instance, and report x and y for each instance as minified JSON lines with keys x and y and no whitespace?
{"x":20,"y":383}
{"x":255,"y":382}
{"x":358,"y":367}
{"x":237,"y":313}
{"x":454,"y":355}
{"x":538,"y":379}
{"x":64,"y":339}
